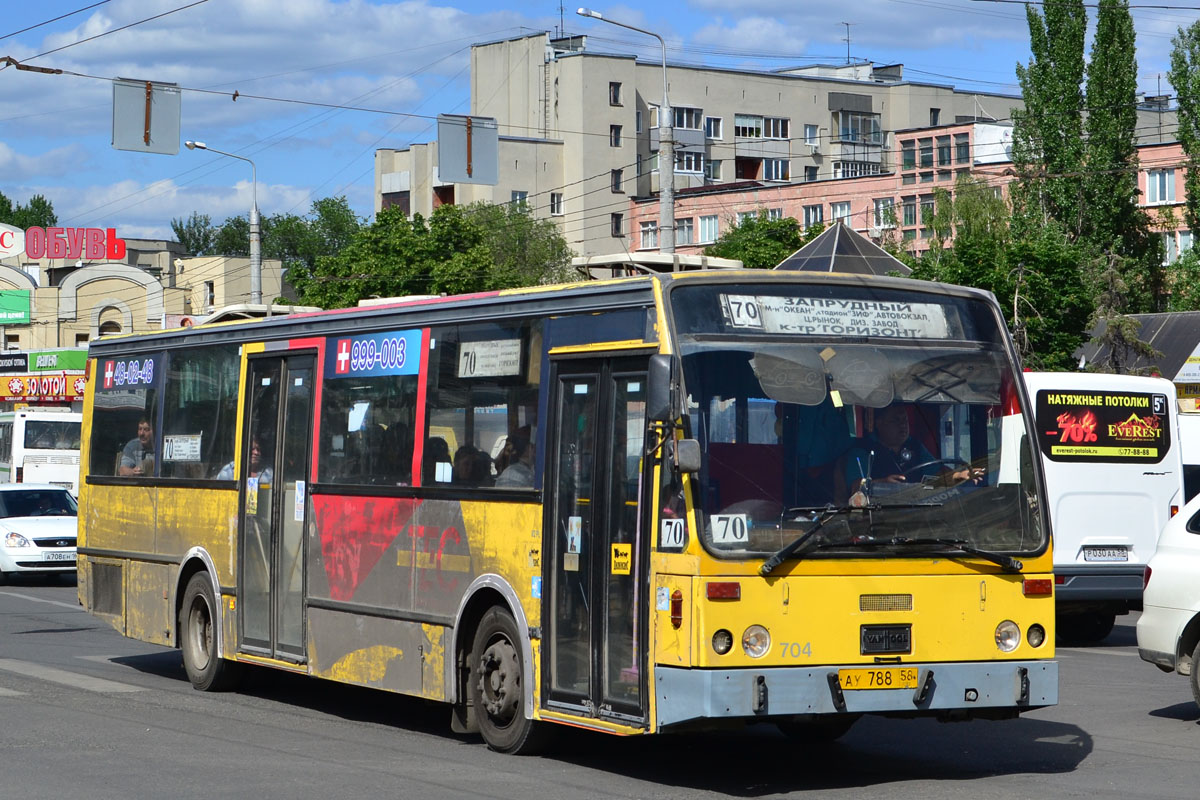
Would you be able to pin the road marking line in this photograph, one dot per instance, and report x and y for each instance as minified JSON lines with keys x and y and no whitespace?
{"x":72,"y":606}
{"x":1098,"y":652}
{"x":10,"y":693}
{"x":73,"y":679}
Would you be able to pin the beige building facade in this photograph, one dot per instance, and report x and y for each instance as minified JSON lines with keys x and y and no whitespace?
{"x":154,"y":287}
{"x":579,"y":134}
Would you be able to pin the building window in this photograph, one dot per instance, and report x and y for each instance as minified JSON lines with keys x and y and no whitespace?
{"x":1160,"y":186}
{"x":637,"y":120}
{"x":776,"y":128}
{"x":1185,"y":241}
{"x":614,"y":135}
{"x":928,"y":209}
{"x":776,"y":169}
{"x":685,"y":230}
{"x":927,"y":177}
{"x":649,"y":236}
{"x":653,"y":116}
{"x":1170,"y":254}
{"x":945,"y":174}
{"x":209,"y":295}
{"x":962,"y":148}
{"x":812,"y":136}
{"x":689,"y":118}
{"x":839,"y":211}
{"x":858,"y":127}
{"x":617,"y":224}
{"x":708,"y":229}
{"x":909,"y":205}
{"x":935,"y":117}
{"x":908,"y":155}
{"x":926,"y":146}
{"x":854,"y":169}
{"x":556,"y":204}
{"x":712,"y":128}
{"x":746,"y":216}
{"x":943,"y":150}
{"x":615,"y":179}
{"x":813,"y":215}
{"x":908,"y":178}
{"x":810,"y":173}
{"x":712,"y":169}
{"x":774,"y":213}
{"x":519,"y":197}
{"x":884,"y":212}
{"x":614,"y":93}
{"x":687,"y":161}
{"x":747,"y":126}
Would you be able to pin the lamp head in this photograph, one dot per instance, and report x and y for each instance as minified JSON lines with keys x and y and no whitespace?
{"x":195,"y":145}
{"x":587,"y":12}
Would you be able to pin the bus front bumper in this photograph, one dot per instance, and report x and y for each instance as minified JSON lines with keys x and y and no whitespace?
{"x":686,"y":695}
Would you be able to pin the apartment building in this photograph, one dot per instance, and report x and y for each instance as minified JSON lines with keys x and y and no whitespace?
{"x":579,"y":131}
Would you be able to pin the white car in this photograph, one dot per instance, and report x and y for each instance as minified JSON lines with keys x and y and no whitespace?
{"x":38,"y":526}
{"x":1168,"y":632}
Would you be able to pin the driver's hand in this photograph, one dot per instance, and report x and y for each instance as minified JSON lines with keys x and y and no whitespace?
{"x":973,"y":474}
{"x":893,"y":479}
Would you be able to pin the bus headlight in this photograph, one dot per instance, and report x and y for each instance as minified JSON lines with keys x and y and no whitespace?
{"x":1036,"y":635}
{"x":756,"y":641}
{"x":722,"y":642}
{"x":1008,"y":636}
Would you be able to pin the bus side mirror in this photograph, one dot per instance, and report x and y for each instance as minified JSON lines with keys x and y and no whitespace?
{"x":660,"y":389}
{"x":686,"y":454}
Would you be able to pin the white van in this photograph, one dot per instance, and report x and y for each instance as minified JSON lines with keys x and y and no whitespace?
{"x":1114,"y":476}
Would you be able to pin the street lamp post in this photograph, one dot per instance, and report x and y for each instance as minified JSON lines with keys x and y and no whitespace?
{"x":666,"y":144}
{"x":255,"y":233}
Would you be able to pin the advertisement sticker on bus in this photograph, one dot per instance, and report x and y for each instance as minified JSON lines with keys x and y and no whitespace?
{"x":391,"y":353}
{"x":824,"y":316}
{"x":1103,"y":426}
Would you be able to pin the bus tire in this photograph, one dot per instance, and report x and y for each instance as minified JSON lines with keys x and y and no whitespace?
{"x":498,"y":688}
{"x":198,"y":619}
{"x":819,"y":730}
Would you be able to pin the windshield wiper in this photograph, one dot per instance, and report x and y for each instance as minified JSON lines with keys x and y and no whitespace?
{"x":809,"y":535}
{"x":1008,"y":563}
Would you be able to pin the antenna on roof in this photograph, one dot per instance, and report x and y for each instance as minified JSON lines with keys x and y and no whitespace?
{"x":847,"y":39}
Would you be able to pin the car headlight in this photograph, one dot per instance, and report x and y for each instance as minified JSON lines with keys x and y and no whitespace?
{"x":16,"y":540}
{"x":756,"y":641}
{"x":1008,"y":636}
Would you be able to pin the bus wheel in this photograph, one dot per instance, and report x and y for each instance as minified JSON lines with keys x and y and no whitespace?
{"x":497,"y":686}
{"x":818,"y":730}
{"x":198,"y":619}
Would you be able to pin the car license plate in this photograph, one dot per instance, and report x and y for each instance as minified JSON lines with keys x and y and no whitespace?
{"x":59,"y":557}
{"x":878,"y":678}
{"x":1105,"y":554}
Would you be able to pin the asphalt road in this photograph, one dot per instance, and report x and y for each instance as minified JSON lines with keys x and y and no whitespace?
{"x":85,"y":713}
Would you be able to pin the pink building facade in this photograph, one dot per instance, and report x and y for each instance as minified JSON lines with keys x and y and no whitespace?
{"x":893,"y":203}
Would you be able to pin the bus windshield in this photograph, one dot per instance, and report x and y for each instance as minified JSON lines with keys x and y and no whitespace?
{"x":894,"y":408}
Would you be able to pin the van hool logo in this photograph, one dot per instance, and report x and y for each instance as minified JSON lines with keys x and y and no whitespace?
{"x":1136,"y":429}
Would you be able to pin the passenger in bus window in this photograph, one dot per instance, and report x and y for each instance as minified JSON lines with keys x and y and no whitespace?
{"x":889,"y":454}
{"x":516,"y":460}
{"x":436,"y":452}
{"x":472,"y":466}
{"x":257,"y":468}
{"x":138,"y":456}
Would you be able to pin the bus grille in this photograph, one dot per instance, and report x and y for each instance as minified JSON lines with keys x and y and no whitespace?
{"x":885,"y":602}
{"x":106,"y":588}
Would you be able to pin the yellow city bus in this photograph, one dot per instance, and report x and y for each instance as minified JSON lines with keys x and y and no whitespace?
{"x":635,"y":506}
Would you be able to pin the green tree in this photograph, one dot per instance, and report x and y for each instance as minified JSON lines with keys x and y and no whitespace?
{"x":460,"y":249}
{"x":1183,"y":278}
{"x":1048,"y":148}
{"x":38,"y":212}
{"x":1117,"y":331}
{"x":196,"y":233}
{"x":1185,"y":77}
{"x":233,"y":237}
{"x":758,"y":242}
{"x":1113,"y":222}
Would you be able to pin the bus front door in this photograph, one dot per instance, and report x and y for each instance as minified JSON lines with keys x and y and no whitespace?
{"x":275,"y":462}
{"x":597,"y":564}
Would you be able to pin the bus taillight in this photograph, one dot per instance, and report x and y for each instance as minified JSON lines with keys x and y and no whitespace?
{"x":1174,"y":510}
{"x":1146,"y":578}
{"x":1036,"y":586}
{"x":676,"y":609}
{"x":20,"y":474}
{"x":724,"y":590}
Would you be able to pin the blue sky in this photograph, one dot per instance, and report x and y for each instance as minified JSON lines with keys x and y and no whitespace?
{"x":400,"y":63}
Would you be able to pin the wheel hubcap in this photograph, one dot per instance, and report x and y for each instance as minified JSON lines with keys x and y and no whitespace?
{"x":500,"y":681}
